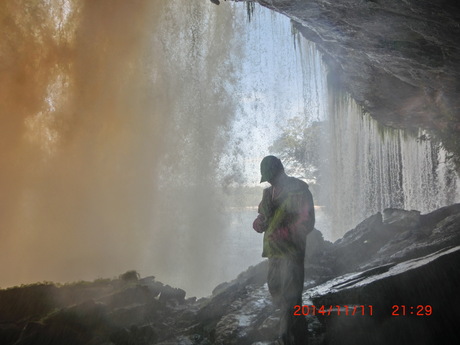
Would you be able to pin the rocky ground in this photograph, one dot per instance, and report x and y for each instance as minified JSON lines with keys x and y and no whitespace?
{"x":391,"y":280}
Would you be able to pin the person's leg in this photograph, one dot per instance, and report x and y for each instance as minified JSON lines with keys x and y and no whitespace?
{"x":293,"y":328}
{"x":275,"y":286}
{"x":274,"y":280}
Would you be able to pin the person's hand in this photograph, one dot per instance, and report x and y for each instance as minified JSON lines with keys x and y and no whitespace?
{"x":259,"y":224}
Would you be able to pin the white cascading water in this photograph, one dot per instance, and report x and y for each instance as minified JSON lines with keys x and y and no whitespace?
{"x":372,"y":167}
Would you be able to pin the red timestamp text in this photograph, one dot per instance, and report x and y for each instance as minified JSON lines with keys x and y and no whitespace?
{"x":324,"y":310}
{"x":418,"y":310}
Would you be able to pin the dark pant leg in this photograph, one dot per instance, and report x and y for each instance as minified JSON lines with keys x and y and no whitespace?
{"x":285,"y":282}
{"x":274,"y":280}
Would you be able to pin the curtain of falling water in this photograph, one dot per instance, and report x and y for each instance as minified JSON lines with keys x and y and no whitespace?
{"x":95,"y":97}
{"x":371,"y":168}
{"x":76,"y":120}
{"x":272,"y":88}
{"x":200,"y":53}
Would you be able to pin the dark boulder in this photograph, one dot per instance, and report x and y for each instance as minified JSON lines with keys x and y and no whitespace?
{"x":169,"y":293}
{"x":9,"y":333}
{"x":414,"y":302}
{"x":27,"y":302}
{"x":360,"y":244}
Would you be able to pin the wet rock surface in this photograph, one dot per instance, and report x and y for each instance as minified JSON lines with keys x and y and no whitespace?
{"x":393,"y":279}
{"x":409,"y":302}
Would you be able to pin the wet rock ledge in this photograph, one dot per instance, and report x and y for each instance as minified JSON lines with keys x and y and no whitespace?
{"x":394,"y":279}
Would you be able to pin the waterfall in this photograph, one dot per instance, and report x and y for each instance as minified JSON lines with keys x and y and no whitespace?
{"x":113,"y":116}
{"x":372,"y":167}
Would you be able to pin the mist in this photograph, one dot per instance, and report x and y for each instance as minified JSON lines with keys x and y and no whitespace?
{"x":112,"y":118}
